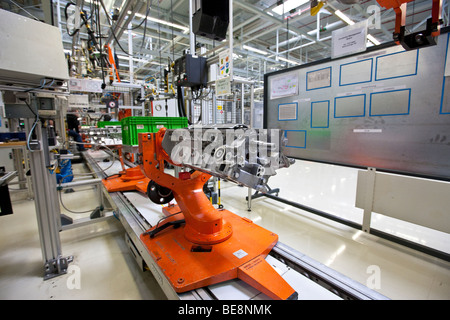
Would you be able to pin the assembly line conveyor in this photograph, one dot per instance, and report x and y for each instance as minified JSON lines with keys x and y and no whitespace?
{"x":311,"y":279}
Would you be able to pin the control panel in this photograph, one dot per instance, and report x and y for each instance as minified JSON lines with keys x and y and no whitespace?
{"x":191,"y":71}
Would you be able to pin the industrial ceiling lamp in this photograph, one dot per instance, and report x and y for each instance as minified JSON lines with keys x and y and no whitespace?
{"x":286,"y":6}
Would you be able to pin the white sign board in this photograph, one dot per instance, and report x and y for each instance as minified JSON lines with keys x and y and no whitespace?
{"x":79,"y":101}
{"x":85,"y":85}
{"x":223,"y":86}
{"x":349,"y":40}
{"x":284,"y":86}
{"x":287,"y":111}
{"x":224,"y":64}
{"x":318,"y":79}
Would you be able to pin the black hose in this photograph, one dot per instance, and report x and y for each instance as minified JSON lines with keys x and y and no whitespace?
{"x":180,"y":100}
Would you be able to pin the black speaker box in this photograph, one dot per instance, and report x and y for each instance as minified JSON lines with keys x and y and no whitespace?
{"x":211,"y":19}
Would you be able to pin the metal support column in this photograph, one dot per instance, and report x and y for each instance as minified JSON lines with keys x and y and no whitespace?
{"x":130,"y":51}
{"x":368,"y":206}
{"x":191,"y":32}
{"x":18,"y":156}
{"x":242,"y":102}
{"x":252,"y":104}
{"x":47,"y":207}
{"x":249,"y":200}
{"x":231,"y":39}
{"x":214,"y":109}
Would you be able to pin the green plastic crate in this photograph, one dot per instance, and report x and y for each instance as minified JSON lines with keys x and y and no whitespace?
{"x":131,"y":126}
{"x":103,"y":124}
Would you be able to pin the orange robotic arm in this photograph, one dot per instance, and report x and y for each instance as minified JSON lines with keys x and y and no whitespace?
{"x":204,"y":223}
{"x":199,"y":245}
{"x":418,"y":39}
{"x":112,"y":62}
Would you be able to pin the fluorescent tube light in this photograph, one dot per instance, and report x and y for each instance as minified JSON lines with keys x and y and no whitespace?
{"x":372,"y":39}
{"x":288,"y":6}
{"x":344,"y":18}
{"x":287,"y":60}
{"x":170,"y":24}
{"x":127,"y":58}
{"x":254,"y":50}
{"x":139,"y":60}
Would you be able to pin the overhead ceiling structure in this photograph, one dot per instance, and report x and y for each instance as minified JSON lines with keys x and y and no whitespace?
{"x":268,"y":35}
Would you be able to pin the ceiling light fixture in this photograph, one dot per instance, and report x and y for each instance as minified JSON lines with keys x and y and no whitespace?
{"x":139,"y":60}
{"x":170,"y":24}
{"x":254,"y":50}
{"x":289,"y":61}
{"x":288,"y":6}
{"x":344,"y":18}
{"x":372,"y":39}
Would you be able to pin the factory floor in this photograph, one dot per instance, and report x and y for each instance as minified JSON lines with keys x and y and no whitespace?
{"x":104,"y":268}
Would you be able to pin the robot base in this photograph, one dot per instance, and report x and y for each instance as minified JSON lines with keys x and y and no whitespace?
{"x":129,"y":180}
{"x":189,"y":266}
